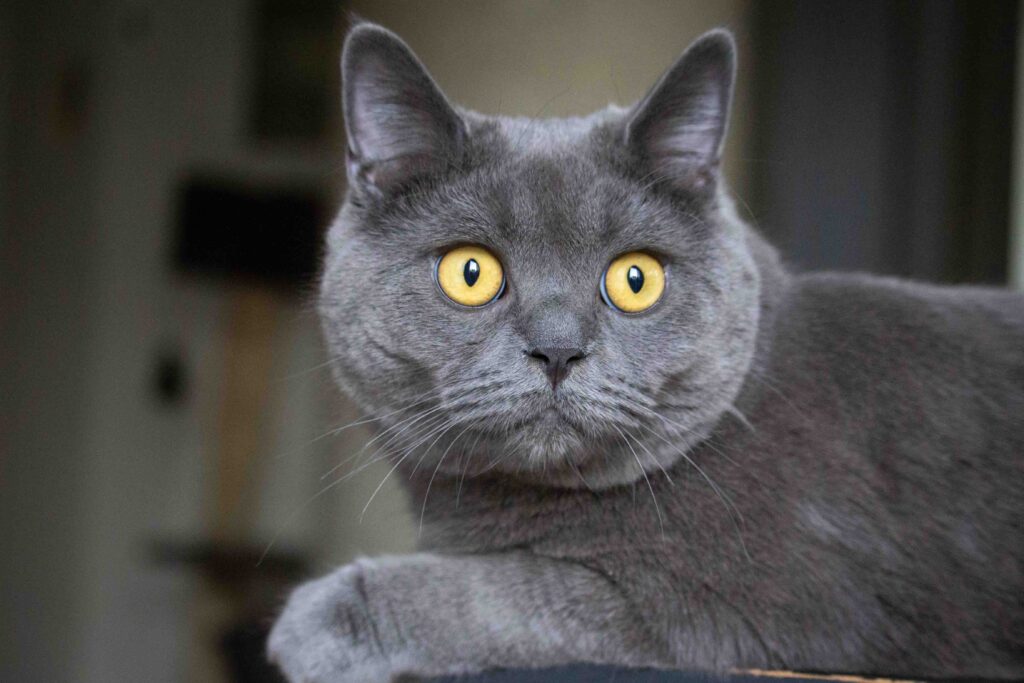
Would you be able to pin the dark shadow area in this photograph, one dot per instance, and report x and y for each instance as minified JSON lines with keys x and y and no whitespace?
{"x":883,"y":135}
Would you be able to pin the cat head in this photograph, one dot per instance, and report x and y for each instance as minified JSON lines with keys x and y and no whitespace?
{"x":569,"y":301}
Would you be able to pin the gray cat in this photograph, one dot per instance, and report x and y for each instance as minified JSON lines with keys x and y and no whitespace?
{"x":635,"y":438}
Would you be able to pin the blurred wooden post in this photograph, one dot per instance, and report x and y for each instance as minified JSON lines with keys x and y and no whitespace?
{"x":253,"y":317}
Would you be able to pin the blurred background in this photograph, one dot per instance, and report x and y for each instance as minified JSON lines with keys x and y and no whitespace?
{"x":166,"y":171}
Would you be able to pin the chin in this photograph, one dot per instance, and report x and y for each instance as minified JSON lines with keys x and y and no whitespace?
{"x":548,"y":442}
{"x":553,"y":451}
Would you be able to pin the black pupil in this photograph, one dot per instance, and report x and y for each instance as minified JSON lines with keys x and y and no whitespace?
{"x":635,"y":277}
{"x":471,"y":271}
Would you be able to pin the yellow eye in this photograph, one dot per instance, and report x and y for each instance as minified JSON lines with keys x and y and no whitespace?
{"x":633,"y":282}
{"x":470,"y":276}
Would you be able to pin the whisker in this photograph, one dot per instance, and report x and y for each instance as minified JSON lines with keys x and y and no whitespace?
{"x":408,"y":423}
{"x":505,"y":453}
{"x":444,"y":429}
{"x":308,"y":371}
{"x":429,"y":395}
{"x":386,"y":477}
{"x":423,"y":432}
{"x":386,"y":450}
{"x":381,"y":454}
{"x":469,"y":459}
{"x":734,"y":514}
{"x":466,"y":456}
{"x":430,"y":483}
{"x":291,"y":517}
{"x":366,"y":419}
{"x":639,"y":442}
{"x":756,"y":374}
{"x":657,"y":508}
{"x":579,"y":474}
{"x":735,"y":412}
{"x":536,"y":117}
{"x":686,"y":430}
{"x":405,"y":424}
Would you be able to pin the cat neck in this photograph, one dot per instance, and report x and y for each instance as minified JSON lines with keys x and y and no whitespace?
{"x":775,"y":283}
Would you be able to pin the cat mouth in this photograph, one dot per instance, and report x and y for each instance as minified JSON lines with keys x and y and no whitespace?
{"x":562,"y":417}
{"x":553,"y":407}
{"x":549,"y":416}
{"x":550,"y":437}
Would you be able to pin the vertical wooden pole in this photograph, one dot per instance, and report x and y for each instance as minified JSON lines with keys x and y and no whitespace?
{"x":253,"y":316}
{"x":248,"y":360}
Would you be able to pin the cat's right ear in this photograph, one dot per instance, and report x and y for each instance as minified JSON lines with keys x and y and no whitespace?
{"x":398,"y":123}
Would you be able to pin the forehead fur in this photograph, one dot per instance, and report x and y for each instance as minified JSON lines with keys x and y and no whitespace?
{"x":561,"y":184}
{"x":538,"y":136}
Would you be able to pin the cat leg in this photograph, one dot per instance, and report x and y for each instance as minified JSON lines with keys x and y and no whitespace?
{"x":428,"y":614}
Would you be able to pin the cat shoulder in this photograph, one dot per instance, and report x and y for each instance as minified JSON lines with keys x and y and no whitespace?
{"x":846,"y":306}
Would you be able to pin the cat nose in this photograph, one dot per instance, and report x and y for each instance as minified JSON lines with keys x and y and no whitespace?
{"x":557,"y":361}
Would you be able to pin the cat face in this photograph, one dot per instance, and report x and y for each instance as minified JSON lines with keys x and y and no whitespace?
{"x":568,"y":301}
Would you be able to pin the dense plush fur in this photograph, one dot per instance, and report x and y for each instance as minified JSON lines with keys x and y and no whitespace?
{"x":819,"y":472}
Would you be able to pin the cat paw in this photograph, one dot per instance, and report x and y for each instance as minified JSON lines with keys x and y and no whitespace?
{"x":326,"y":634}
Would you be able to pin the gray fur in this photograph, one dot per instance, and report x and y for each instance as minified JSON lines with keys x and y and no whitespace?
{"x":818,"y":472}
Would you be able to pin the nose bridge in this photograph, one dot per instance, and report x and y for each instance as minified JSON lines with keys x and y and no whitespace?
{"x":554,"y":325}
{"x":556,"y":316}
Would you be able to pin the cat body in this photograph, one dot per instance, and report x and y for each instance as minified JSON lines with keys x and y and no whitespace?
{"x":860,"y":528}
{"x":761,"y":470}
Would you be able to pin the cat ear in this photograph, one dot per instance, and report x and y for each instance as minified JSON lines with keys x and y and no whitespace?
{"x":398,"y":123}
{"x":679,"y":126}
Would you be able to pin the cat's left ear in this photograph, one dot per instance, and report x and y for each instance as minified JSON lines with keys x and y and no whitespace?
{"x":679,"y":127}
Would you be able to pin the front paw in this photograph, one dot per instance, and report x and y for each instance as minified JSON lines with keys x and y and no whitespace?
{"x":326,"y":634}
